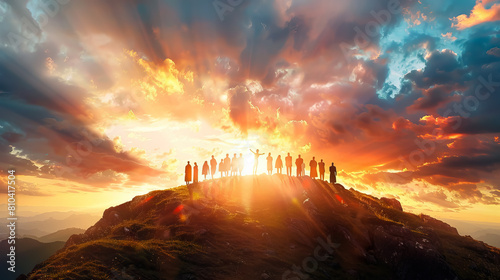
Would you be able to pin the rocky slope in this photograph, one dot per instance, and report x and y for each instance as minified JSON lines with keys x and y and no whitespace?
{"x":268,"y":227}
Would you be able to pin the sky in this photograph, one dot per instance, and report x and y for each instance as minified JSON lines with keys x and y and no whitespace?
{"x":104,"y":100}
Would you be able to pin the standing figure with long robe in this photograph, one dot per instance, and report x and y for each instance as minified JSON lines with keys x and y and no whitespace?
{"x":205,"y":169}
{"x":313,"y":164}
{"x":188,"y":174}
{"x":195,"y":173}
{"x":234,"y":166}
{"x":333,"y":174}
{"x":269,"y":164}
{"x":213,"y":166}
{"x":321,"y":166}
{"x":298,"y":162}
{"x":288,"y":163}
{"x":227,"y":165}
{"x":279,"y":164}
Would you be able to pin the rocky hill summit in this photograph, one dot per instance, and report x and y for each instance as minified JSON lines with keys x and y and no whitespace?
{"x":268,"y":227}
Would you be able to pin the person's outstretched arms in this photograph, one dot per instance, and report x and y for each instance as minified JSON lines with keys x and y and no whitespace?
{"x":252,"y":151}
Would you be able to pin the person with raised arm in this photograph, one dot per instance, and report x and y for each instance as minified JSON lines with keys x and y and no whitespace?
{"x":279,"y":164}
{"x":256,"y":160}
{"x":288,"y":163}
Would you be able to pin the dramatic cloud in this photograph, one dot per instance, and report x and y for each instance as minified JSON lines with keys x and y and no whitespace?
{"x":483,"y":11}
{"x":397,"y":93}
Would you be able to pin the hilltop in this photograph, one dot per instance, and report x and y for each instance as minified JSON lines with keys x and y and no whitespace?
{"x":268,"y":227}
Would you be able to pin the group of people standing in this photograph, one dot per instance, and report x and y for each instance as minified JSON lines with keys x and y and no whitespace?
{"x":234,"y":166}
{"x":301,"y":167}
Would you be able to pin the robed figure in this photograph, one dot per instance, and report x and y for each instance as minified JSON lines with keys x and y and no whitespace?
{"x":227,"y":165}
{"x":188,"y":174}
{"x":288,"y":163}
{"x":313,"y":164}
{"x":333,"y":174}
{"x":298,"y":162}
{"x":321,"y":166}
{"x":279,"y":164}
{"x":234,"y":165}
{"x":213,"y":166}
{"x":269,"y":164}
{"x":195,"y":173}
{"x":205,"y":169}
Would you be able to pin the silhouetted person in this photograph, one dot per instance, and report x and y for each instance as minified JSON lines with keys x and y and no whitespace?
{"x":288,"y":163}
{"x":279,"y":164}
{"x":269,"y":164}
{"x":188,"y":174}
{"x":234,"y":166}
{"x":256,"y":160}
{"x":205,"y":169}
{"x":241,"y":163}
{"x":298,"y":162}
{"x":227,"y":165}
{"x":321,"y":166}
{"x":213,"y":166}
{"x":333,"y":174}
{"x":221,"y":168}
{"x":195,"y":173}
{"x":313,"y":164}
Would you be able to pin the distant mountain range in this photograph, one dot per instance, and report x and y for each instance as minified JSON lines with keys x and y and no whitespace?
{"x":486,"y":232}
{"x":29,"y":252}
{"x":60,"y":235}
{"x":47,"y":223}
{"x":490,"y":238}
{"x":268,"y":227}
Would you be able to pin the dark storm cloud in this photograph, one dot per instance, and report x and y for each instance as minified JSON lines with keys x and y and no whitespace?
{"x":483,"y":93}
{"x":435,"y":97}
{"x":23,"y":78}
{"x":441,"y":68}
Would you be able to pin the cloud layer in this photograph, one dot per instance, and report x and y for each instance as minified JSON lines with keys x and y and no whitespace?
{"x":401,"y":93}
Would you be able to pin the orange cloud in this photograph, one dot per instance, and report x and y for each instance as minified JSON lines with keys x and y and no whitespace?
{"x":449,"y":36}
{"x":160,"y":79}
{"x":479,"y":14}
